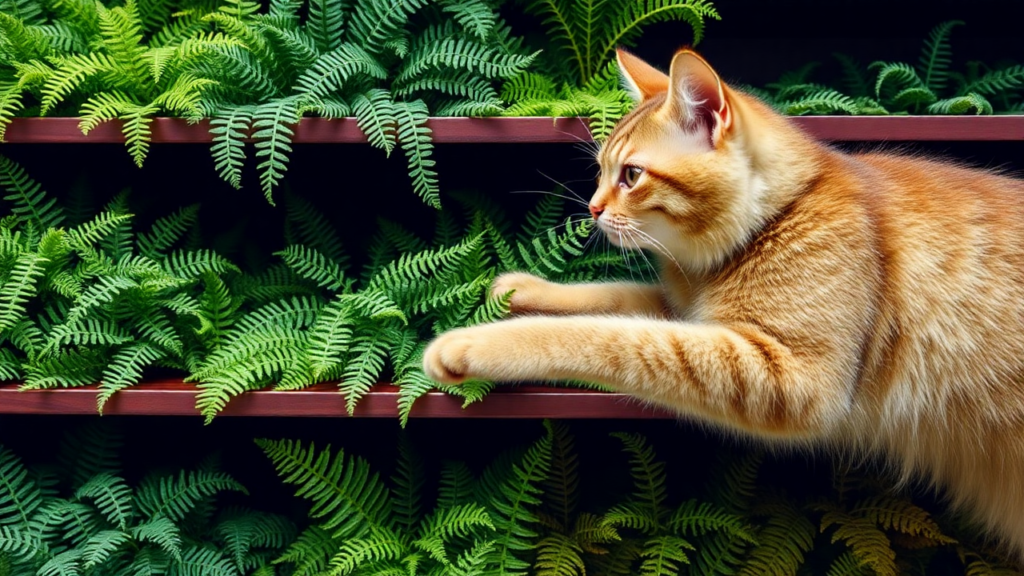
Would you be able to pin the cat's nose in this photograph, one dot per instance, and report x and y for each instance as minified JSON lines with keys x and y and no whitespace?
{"x":596,"y":211}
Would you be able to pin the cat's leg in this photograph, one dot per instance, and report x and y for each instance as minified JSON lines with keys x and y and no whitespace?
{"x":737,"y":375}
{"x":535,"y":295}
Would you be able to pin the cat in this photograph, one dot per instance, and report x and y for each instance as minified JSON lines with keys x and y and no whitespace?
{"x":871,"y":303}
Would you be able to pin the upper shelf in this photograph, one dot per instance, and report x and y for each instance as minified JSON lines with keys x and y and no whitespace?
{"x":533,"y":130}
{"x":174,"y":398}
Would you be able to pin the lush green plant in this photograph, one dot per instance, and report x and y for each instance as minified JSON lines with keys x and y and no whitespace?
{"x":931,"y":86}
{"x":83,"y":518}
{"x":354,"y":325}
{"x":365,"y":527}
{"x":128,"y":62}
{"x":256,"y":72}
{"x":390,"y":63}
{"x":578,"y":77}
{"x":90,"y":302}
{"x":524,"y":513}
{"x":93,"y":302}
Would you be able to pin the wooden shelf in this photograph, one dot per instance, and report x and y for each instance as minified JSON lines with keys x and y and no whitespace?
{"x":533,"y":130}
{"x":174,"y":398}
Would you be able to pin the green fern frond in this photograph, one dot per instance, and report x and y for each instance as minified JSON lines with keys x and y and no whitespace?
{"x":174,"y":496}
{"x":374,"y":23}
{"x":125,"y":370}
{"x":782,"y":542}
{"x":376,"y":117}
{"x":313,"y":228}
{"x":229,"y":127}
{"x":663,"y":555}
{"x":30,"y":202}
{"x":112,"y":495}
{"x":167,"y":231}
{"x":272,"y":131}
{"x":966,"y":104}
{"x":350,"y":501}
{"x":162,"y":532}
{"x":312,"y":265}
{"x":331,"y":70}
{"x":101,"y":546}
{"x":311,"y":551}
{"x":868,"y":543}
{"x":937,"y":57}
{"x":366,"y":357}
{"x":20,"y":497}
{"x":558,"y":555}
{"x":898,"y":74}
{"x":647,"y":472}
{"x":995,"y":82}
{"x":21,"y":284}
{"x":326,"y":22}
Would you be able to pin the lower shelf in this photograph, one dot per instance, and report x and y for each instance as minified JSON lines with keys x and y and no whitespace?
{"x":175,"y":398}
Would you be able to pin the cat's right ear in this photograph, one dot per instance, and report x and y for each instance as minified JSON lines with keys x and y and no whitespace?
{"x":641,"y":80}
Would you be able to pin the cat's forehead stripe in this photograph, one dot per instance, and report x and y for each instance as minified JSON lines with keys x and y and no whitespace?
{"x":628,"y":124}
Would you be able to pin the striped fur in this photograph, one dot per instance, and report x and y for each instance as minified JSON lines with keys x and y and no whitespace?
{"x":868,"y":304}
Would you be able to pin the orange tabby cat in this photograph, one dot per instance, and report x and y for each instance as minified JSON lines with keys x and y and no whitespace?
{"x":868,"y":301}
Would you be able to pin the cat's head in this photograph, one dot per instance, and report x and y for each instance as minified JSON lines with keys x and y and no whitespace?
{"x":697,"y":168}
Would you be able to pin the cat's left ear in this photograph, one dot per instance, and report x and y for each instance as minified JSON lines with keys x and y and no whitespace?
{"x":697,"y":95}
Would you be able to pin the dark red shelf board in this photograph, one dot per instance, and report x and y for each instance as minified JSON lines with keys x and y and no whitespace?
{"x":174,"y":398}
{"x":534,"y":130}
{"x":308,"y":131}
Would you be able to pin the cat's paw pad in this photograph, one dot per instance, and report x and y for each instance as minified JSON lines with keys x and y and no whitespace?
{"x":446,"y":358}
{"x":527,"y":290}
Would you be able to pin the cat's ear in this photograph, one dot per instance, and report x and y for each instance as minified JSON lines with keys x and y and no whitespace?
{"x":696,"y":94}
{"x":641,"y":79}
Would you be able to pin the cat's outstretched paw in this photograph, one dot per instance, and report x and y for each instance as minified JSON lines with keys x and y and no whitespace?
{"x":529,"y":291}
{"x":446,"y":358}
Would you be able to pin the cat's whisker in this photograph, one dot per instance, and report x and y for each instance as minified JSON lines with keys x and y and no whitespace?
{"x":567,"y":189}
{"x":661,"y":248}
{"x":549,"y":193}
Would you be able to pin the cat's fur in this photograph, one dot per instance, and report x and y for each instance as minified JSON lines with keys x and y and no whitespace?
{"x":870,"y":302}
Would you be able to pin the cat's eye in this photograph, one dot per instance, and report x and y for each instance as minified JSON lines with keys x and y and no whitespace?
{"x":630,"y":174}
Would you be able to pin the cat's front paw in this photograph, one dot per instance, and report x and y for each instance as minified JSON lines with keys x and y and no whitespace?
{"x":446,"y":359}
{"x":528,"y":295}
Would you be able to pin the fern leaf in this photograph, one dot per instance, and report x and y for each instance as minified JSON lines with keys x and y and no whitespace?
{"x":663,"y":555}
{"x":229,"y":128}
{"x":312,"y":265}
{"x":326,"y":23}
{"x":29,"y":199}
{"x":373,"y":23}
{"x":20,"y":497}
{"x":414,"y":137}
{"x":331,"y":70}
{"x":112,"y":495}
{"x":351,"y":501}
{"x":125,"y":370}
{"x":376,"y":117}
{"x":175,"y":496}
{"x":969,"y":103}
{"x":272,"y":131}
{"x":937,"y":57}
{"x":364,"y":366}
{"x":21,"y":284}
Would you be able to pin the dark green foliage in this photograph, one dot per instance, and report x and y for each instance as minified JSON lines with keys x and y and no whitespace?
{"x":370,"y":61}
{"x":579,"y":77}
{"x":91,"y":304}
{"x":930,"y":87}
{"x":256,"y":71}
{"x":93,"y":523}
{"x":362,"y":526}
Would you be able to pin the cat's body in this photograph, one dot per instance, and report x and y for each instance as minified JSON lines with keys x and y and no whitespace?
{"x":870,"y":303}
